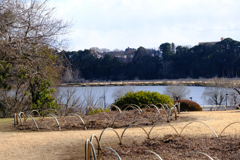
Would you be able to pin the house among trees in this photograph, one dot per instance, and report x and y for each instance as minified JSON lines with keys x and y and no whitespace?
{"x":211,"y":43}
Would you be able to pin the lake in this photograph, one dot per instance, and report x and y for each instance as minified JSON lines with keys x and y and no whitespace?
{"x":195,"y":92}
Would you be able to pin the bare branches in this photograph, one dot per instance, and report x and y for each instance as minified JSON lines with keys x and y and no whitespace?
{"x":215,"y":95}
{"x":30,"y":35}
{"x":32,"y":23}
{"x":69,"y":100}
{"x":29,"y":39}
{"x":121,"y":91}
{"x":219,"y":89}
{"x":177,"y":90}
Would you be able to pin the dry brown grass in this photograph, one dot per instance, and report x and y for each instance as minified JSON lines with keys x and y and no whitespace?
{"x":70,"y":144}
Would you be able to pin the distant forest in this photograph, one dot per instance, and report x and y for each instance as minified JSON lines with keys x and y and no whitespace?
{"x":205,"y":60}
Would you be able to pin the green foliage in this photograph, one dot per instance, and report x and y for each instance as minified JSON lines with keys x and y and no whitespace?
{"x":99,"y":110}
{"x":5,"y":74}
{"x":167,"y":50}
{"x":22,"y":73}
{"x":42,"y":95}
{"x":139,"y":54}
{"x":187,"y":105}
{"x":142,"y":97}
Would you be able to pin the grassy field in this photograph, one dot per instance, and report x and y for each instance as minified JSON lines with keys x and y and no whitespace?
{"x":6,"y":120}
{"x":6,"y":125}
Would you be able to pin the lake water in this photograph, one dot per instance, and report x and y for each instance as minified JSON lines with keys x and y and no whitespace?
{"x":195,"y":91}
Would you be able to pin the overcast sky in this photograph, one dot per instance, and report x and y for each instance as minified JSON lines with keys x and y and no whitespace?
{"x":118,"y":24}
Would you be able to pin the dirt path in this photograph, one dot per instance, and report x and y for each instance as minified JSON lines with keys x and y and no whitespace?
{"x":63,"y":145}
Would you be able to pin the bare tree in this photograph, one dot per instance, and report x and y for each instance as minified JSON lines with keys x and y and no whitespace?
{"x":29,"y":39}
{"x":68,"y":76}
{"x":29,"y":24}
{"x":234,"y":93}
{"x":215,"y":95}
{"x":79,"y":99}
{"x":69,"y":101}
{"x":233,"y":98}
{"x":121,"y":91}
{"x":177,"y":90}
{"x":215,"y":92}
{"x":93,"y":97}
{"x":13,"y":102}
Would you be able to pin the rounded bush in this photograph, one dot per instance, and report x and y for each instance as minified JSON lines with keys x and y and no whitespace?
{"x":142,"y":97}
{"x":187,"y":105}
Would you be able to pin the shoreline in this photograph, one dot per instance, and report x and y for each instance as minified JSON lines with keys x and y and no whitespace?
{"x":186,"y":82}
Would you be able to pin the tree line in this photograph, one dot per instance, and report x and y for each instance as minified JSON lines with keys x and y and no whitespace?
{"x":220,"y":59}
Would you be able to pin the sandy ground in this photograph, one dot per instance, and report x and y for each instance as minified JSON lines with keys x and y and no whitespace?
{"x":64,"y":145}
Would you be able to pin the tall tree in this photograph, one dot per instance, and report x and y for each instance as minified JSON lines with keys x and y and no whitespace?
{"x":29,"y":39}
{"x":167,"y":50}
{"x":139,"y":53}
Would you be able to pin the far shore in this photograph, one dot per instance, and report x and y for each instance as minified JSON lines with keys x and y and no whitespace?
{"x":163,"y":82}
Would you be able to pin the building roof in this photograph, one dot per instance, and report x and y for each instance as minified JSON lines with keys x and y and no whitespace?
{"x":211,"y":43}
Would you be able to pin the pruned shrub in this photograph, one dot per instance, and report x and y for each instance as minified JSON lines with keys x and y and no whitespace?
{"x":142,"y":97}
{"x":187,"y":105}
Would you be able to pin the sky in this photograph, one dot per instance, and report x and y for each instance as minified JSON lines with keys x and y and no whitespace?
{"x":118,"y":24}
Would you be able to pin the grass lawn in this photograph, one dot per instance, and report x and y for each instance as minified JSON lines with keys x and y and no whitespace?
{"x":6,"y":120}
{"x":6,"y":124}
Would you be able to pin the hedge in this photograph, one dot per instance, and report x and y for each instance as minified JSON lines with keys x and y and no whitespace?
{"x":187,"y":105}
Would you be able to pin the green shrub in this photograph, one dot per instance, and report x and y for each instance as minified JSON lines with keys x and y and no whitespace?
{"x":99,"y":110}
{"x":187,"y":105}
{"x":142,"y":97}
